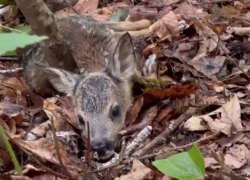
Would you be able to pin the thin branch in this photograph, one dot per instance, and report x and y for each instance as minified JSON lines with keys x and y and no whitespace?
{"x":6,"y":71}
{"x":57,"y":151}
{"x":71,"y":7}
{"x":162,"y":137}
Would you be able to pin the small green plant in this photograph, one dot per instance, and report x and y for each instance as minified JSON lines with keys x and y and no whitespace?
{"x":188,"y":165}
{"x":9,"y":148}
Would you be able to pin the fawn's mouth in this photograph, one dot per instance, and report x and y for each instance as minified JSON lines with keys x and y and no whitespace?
{"x":105,"y":157}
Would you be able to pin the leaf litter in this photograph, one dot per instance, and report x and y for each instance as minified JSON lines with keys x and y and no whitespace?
{"x":195,"y":55}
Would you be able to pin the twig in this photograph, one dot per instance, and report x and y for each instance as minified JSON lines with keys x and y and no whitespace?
{"x":138,"y":139}
{"x":57,"y":151}
{"x":213,"y":2}
{"x":162,"y":137}
{"x":121,"y":155}
{"x":71,"y":7}
{"x":156,"y":154}
{"x":8,"y":58}
{"x":11,"y":70}
{"x":88,"y":157}
{"x":149,"y":115}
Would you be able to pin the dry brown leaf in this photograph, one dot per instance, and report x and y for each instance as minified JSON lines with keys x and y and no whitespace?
{"x":138,"y":172}
{"x":163,"y":113}
{"x":230,"y":117}
{"x":134,"y":110}
{"x":12,"y":111}
{"x":60,"y":118}
{"x":211,"y":162}
{"x":145,"y":119}
{"x":166,"y":27}
{"x":68,"y":108}
{"x":46,"y":150}
{"x":209,"y":66}
{"x":176,"y":91}
{"x":140,"y":12}
{"x":237,"y":77}
{"x":84,"y":6}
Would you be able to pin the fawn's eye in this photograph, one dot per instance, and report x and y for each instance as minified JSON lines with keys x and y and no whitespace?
{"x":81,"y":121}
{"x":115,"y":112}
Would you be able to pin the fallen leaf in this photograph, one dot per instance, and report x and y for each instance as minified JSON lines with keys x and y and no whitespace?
{"x":145,"y":119}
{"x":134,"y":111}
{"x":46,"y":150}
{"x":12,"y":111}
{"x":163,"y":113}
{"x":209,"y":66}
{"x":166,"y":27}
{"x":60,"y":118}
{"x":175,"y":91}
{"x":138,"y":172}
{"x":84,"y":6}
{"x":140,"y":12}
{"x":230,"y":117}
{"x":194,"y":124}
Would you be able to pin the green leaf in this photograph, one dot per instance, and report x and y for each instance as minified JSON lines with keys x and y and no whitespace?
{"x":183,"y":166}
{"x":5,"y":2}
{"x":119,"y":15}
{"x":23,"y":28}
{"x":11,"y":41}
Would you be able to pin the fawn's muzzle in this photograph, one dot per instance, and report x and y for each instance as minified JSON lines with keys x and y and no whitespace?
{"x":103,"y":147}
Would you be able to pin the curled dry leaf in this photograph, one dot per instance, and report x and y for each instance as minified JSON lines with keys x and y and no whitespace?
{"x":230,"y":118}
{"x":134,"y":110}
{"x":194,"y":124}
{"x":138,"y":172}
{"x":176,"y":91}
{"x":166,"y":27}
{"x":163,"y":113}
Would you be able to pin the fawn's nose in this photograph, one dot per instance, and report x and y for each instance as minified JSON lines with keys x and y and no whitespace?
{"x":100,"y":146}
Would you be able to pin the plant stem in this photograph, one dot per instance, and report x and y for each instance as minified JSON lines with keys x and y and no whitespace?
{"x":12,"y":154}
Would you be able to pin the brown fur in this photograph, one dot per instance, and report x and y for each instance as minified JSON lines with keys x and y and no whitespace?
{"x":107,"y":64}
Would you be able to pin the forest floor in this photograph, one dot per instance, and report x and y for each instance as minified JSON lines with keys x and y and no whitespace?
{"x":196,"y":55}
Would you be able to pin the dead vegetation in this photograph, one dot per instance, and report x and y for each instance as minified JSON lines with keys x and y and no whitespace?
{"x":196,"y":57}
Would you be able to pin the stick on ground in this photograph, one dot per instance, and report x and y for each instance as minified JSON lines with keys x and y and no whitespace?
{"x":162,"y":137}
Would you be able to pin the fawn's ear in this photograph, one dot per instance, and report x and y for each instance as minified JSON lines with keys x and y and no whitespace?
{"x":63,"y":81}
{"x":123,"y":62}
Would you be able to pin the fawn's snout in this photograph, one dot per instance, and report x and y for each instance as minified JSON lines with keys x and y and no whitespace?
{"x":103,"y":147}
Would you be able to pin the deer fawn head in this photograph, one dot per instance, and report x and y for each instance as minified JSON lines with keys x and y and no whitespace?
{"x":101,"y":98}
